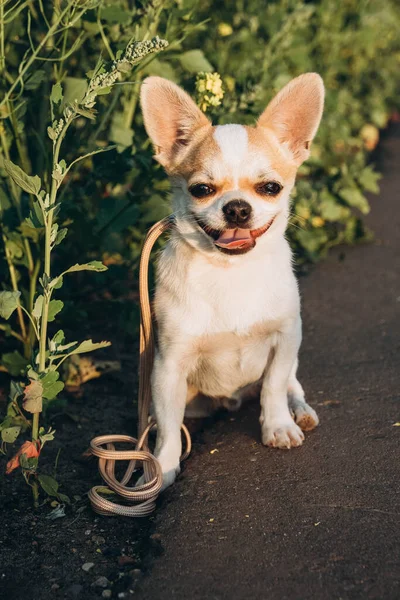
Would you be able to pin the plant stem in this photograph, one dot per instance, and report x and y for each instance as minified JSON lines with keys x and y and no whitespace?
{"x":32,"y":292}
{"x":103,"y":35}
{"x":2,"y":53}
{"x":14,"y":284}
{"x":47,"y":251}
{"x":12,"y":332}
{"x":51,"y":31}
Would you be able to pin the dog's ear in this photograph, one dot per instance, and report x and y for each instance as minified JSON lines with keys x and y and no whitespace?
{"x":170,"y":117}
{"x":294,"y":114}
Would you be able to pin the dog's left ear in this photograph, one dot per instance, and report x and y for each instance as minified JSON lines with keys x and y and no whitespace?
{"x":294,"y":114}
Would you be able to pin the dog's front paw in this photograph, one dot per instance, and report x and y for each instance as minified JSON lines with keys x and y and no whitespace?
{"x":305,"y":416}
{"x":282,"y":435}
{"x":169,"y":477}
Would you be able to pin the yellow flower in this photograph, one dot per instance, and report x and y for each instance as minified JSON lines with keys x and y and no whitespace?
{"x":209,"y":90}
{"x":224,"y":29}
{"x":370,"y":135}
{"x":317,"y":222}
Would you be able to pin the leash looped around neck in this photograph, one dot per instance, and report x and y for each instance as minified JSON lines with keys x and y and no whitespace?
{"x":141,"y":500}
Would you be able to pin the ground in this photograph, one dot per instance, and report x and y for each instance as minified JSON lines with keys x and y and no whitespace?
{"x":320,"y":521}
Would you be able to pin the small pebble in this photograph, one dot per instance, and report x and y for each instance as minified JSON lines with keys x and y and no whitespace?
{"x":101,"y":582}
{"x":106,"y":594}
{"x":98,"y":539}
{"x":126,"y":560}
{"x":88,"y":532}
{"x":87,"y":566}
{"x":135,"y":573}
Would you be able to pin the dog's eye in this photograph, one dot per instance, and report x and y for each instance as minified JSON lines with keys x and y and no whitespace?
{"x":269,"y":188}
{"x":201,"y":190}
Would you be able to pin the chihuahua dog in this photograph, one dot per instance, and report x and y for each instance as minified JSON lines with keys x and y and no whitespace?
{"x":227,"y":302}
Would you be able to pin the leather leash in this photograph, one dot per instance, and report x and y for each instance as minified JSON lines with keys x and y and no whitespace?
{"x":140,"y":500}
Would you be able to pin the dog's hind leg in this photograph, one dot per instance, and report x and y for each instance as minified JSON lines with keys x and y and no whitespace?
{"x":304,"y":415}
{"x":198,"y":405}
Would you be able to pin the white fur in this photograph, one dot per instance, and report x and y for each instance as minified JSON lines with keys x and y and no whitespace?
{"x":207,"y":308}
{"x":229,"y":324}
{"x":233,"y":142}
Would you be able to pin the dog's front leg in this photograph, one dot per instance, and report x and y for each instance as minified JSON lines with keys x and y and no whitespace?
{"x":169,"y":389}
{"x":278,"y":427}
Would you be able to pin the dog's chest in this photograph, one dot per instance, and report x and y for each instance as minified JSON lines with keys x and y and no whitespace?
{"x":220,"y":323}
{"x":234,"y":300}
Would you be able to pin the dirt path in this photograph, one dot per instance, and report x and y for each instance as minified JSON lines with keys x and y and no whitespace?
{"x":317,"y":522}
{"x":321,"y":521}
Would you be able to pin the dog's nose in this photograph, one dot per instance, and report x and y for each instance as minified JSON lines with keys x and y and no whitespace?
{"x":237,"y":212}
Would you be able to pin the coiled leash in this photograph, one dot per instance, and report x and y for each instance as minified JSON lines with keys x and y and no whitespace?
{"x":142,"y":497}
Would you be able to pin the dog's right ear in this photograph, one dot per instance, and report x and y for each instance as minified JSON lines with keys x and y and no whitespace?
{"x":170,"y":117}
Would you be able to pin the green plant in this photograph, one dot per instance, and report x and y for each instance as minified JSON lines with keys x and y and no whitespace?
{"x":258,"y":47}
{"x":45,"y":355}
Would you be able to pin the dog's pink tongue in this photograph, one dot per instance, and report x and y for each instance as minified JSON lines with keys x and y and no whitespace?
{"x":234,"y":238}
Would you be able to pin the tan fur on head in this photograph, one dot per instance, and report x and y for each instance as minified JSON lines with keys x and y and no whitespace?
{"x":171,"y":118}
{"x":294,"y":114}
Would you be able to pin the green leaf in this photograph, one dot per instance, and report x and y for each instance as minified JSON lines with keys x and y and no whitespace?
{"x":37,"y":309}
{"x":32,"y":374}
{"x":30,"y":464}
{"x":29,"y":184}
{"x":10,"y":434}
{"x":35,"y":80}
{"x":35,"y":219}
{"x":56,"y":95}
{"x":55,"y":307}
{"x":355,"y":198}
{"x":64,"y":498}
{"x":33,"y":396}
{"x":116,"y":14}
{"x":330,"y":208}
{"x":60,"y":236}
{"x":89,"y":346}
{"x":194,"y":61}
{"x":63,"y":347}
{"x":51,"y":386}
{"x":75,"y":89}
{"x":94,"y":265}
{"x":49,"y":485}
{"x":52,"y":134}
{"x":30,"y":231}
{"x":119,"y":132}
{"x":59,"y":337}
{"x":56,"y":283}
{"x":8,"y":303}
{"x":368,"y":179}
{"x":104,"y":91}
{"x":46,"y":437}
{"x":162,"y":69}
{"x":14,"y":363}
{"x":89,"y":113}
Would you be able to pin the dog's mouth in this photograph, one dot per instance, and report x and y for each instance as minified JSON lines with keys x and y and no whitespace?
{"x":234,"y":241}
